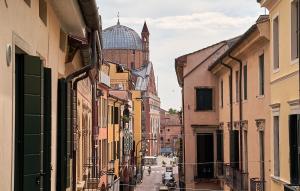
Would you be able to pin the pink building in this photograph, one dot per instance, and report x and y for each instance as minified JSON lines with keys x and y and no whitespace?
{"x":170,"y":132}
{"x":202,"y":150}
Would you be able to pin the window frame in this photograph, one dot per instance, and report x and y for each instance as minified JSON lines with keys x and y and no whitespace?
{"x":222,"y":93}
{"x":275,"y":69}
{"x":261,"y":76}
{"x":245,"y":81}
{"x":276,"y":166}
{"x":237,"y":86}
{"x":294,"y":58}
{"x":212,"y":102}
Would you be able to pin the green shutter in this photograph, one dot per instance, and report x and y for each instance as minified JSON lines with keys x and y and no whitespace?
{"x":29,"y":124}
{"x":47,"y":129}
{"x":234,"y":148}
{"x":62,"y":159}
{"x":294,"y":160}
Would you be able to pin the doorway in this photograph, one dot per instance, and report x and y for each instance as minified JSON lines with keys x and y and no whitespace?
{"x":205,"y":155}
{"x":32,"y":124}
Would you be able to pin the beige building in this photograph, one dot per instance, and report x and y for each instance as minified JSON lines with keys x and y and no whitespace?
{"x":42,"y":42}
{"x":284,"y":100}
{"x":244,"y":94}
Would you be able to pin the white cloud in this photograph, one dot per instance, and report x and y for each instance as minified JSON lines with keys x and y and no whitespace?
{"x":178,"y":27}
{"x":204,"y":20}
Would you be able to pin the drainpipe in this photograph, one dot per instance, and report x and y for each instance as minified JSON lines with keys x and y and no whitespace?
{"x":230,"y":101}
{"x":114,"y":129}
{"x":76,"y":75}
{"x":241,"y":109}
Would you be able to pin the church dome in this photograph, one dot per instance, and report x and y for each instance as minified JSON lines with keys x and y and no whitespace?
{"x":121,"y":37}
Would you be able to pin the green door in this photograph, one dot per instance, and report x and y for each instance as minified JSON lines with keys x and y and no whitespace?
{"x":30,"y":125}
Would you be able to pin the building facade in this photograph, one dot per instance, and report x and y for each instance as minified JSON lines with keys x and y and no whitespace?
{"x":42,"y":47}
{"x":200,"y":114}
{"x":170,"y":132}
{"x":243,"y":82}
{"x":284,"y":101}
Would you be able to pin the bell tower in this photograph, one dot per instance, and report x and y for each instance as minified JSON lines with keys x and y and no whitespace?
{"x":145,"y":38}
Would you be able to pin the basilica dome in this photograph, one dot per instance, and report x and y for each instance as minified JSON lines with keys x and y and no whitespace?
{"x":121,"y":37}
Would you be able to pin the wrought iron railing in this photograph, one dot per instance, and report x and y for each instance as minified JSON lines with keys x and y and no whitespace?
{"x":289,"y":187}
{"x":235,"y":179}
{"x":256,"y":184}
{"x":228,"y":173}
{"x":220,"y":169}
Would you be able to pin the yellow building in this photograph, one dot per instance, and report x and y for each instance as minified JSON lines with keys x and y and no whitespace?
{"x":245,"y":131}
{"x":137,"y":124}
{"x":284,"y":101}
{"x":115,"y":104}
{"x":41,"y":49}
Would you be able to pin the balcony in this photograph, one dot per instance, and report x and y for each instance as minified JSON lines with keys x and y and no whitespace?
{"x":289,"y":187}
{"x":256,"y":184}
{"x":235,"y":179}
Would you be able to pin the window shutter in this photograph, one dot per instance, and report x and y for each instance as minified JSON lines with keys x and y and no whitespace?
{"x":219,"y":145}
{"x":29,"y":125}
{"x":294,"y":160}
{"x":62,"y":158}
{"x":47,"y":129}
{"x":234,"y":148}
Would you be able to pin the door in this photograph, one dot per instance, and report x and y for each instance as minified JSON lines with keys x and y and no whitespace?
{"x":205,"y":155}
{"x":28,"y":124}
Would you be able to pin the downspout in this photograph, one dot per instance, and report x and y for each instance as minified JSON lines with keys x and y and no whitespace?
{"x":230,"y":102}
{"x":114,"y":129}
{"x":183,"y":133}
{"x":75,"y":75}
{"x":241,"y":109}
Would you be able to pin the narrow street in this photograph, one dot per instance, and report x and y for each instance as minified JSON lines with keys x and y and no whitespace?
{"x":154,"y":180}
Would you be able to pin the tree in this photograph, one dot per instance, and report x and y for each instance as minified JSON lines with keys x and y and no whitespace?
{"x":173,"y":111}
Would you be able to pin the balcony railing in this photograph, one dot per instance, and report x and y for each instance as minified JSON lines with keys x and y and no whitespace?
{"x":256,"y":184}
{"x":289,"y":187}
{"x":235,"y":179}
{"x":220,"y":169}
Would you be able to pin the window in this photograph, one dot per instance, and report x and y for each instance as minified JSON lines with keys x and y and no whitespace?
{"x":114,"y":115}
{"x":100,"y":156}
{"x":168,"y":129}
{"x":245,"y":82}
{"x":276,"y":43}
{"x":204,"y":99}
{"x":230,"y":87}
{"x":104,"y":153}
{"x":237,"y":94}
{"x":276,"y":146}
{"x":62,"y":40}
{"x":261,"y":74}
{"x":222,"y":94}
{"x":294,"y":29}
{"x":161,"y":138}
{"x":168,"y":140}
{"x":294,"y":145}
{"x":43,"y":11}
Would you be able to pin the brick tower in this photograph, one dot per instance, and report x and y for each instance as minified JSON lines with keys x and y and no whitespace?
{"x":145,"y":38}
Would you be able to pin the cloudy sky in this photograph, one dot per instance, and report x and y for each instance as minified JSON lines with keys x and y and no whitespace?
{"x":178,"y":27}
